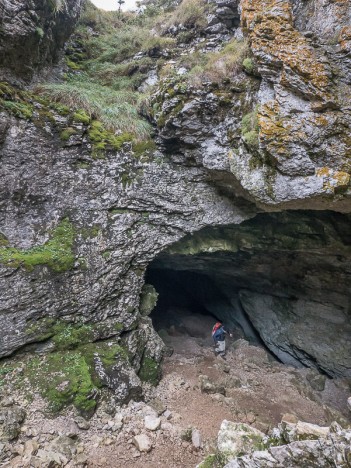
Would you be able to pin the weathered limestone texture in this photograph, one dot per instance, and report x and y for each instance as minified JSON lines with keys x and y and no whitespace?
{"x":33,"y":33}
{"x":303,"y":106}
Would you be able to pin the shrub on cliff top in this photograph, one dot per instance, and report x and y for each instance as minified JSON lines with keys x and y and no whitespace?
{"x":189,"y":13}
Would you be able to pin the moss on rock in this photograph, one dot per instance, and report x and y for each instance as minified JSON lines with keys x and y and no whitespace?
{"x":64,"y":378}
{"x":56,"y":253}
{"x":104,"y":139}
{"x":149,"y":371}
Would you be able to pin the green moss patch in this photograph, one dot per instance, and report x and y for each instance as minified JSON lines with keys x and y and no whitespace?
{"x":67,"y":376}
{"x":56,"y":253}
{"x":64,"y":378}
{"x":81,"y":116}
{"x":68,"y":336}
{"x":66,"y":133}
{"x":250,"y":130}
{"x":103,"y":139}
{"x":149,"y":371}
{"x":19,"y":109}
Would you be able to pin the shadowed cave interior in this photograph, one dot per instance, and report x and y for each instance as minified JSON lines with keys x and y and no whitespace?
{"x":279,"y":280}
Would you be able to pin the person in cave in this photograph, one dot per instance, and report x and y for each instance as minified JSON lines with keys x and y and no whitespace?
{"x":218,"y":335}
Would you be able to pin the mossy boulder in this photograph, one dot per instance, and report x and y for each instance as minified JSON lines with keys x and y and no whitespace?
{"x":148,"y":299}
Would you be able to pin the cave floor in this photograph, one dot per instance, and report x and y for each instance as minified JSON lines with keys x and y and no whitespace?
{"x":258,"y":391}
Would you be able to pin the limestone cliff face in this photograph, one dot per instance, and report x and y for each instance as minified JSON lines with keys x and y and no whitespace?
{"x":302,"y":50}
{"x":78,"y":230}
{"x":33,"y":33}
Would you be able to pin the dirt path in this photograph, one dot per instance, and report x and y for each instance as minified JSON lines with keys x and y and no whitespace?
{"x":258,"y":391}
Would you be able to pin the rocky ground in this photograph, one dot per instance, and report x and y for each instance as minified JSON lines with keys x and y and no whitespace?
{"x":179,"y":423}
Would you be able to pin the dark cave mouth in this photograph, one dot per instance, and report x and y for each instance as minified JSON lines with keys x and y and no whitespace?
{"x":279,"y":280}
{"x":189,"y":303}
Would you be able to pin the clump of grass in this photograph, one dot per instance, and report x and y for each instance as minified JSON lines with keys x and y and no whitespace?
{"x":248,"y":65}
{"x":250,"y":130}
{"x":221,"y":65}
{"x":189,"y":13}
{"x":116,"y":110}
{"x":23,"y":110}
{"x":58,"y":5}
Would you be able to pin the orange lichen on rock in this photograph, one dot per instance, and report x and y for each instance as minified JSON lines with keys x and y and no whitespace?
{"x":277,"y":44}
{"x":345,"y":39}
{"x":275,"y":131}
{"x":333,"y":179}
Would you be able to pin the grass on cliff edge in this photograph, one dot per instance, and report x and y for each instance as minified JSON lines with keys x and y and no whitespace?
{"x":104,"y":75}
{"x":57,"y":252}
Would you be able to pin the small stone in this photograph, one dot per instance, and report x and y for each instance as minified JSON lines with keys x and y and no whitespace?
{"x":250,"y":418}
{"x":167,"y":414}
{"x":119,"y":418}
{"x":349,"y":403}
{"x":158,"y":406}
{"x":142,"y":443}
{"x":196,"y":438}
{"x":108,"y":441}
{"x":9,"y":401}
{"x":82,"y":423}
{"x":152,"y":423}
{"x":80,"y":459}
{"x":316,"y":380}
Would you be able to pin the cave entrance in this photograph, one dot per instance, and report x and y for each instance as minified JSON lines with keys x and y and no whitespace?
{"x":189,"y":304}
{"x":280,"y":280}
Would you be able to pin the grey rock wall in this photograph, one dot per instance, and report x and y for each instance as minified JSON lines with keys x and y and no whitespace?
{"x":33,"y":33}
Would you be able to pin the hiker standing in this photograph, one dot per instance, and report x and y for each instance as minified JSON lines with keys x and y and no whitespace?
{"x":218,"y":335}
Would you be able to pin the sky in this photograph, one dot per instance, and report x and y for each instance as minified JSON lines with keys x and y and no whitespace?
{"x":113,"y":5}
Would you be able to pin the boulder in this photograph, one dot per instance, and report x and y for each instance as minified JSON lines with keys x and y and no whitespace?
{"x":316,"y":380}
{"x":152,"y":423}
{"x":238,"y":438}
{"x":11,"y":419}
{"x":33,"y":35}
{"x":302,"y":431}
{"x":332,"y":450}
{"x":142,"y":443}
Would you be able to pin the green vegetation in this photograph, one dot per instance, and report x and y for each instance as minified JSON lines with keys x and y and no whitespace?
{"x":66,"y":133}
{"x":68,"y":336}
{"x":189,"y":13}
{"x":81,"y":116}
{"x":57,"y":252}
{"x":214,"y":460}
{"x":39,"y":32}
{"x":248,"y":65}
{"x":105,"y":75}
{"x":116,"y":110}
{"x":104,"y":139}
{"x":149,"y":371}
{"x":64,"y":378}
{"x":222,"y":65}
{"x":19,"y":109}
{"x":67,"y":375}
{"x":250,"y":130}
